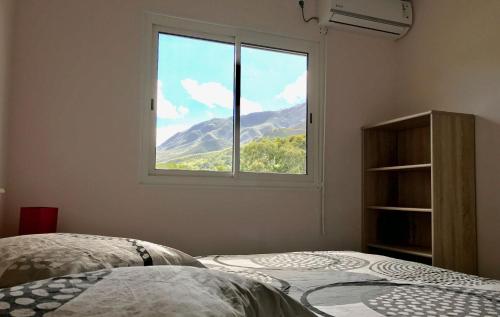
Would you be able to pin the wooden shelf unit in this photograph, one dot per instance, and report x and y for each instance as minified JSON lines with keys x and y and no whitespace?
{"x":415,"y":208}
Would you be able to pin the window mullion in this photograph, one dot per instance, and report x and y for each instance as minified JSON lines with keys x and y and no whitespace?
{"x":153,"y":106}
{"x":237,"y":107}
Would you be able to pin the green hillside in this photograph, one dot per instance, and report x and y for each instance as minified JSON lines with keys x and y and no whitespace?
{"x":216,"y":134}
{"x":268,"y":154}
{"x":211,"y":161}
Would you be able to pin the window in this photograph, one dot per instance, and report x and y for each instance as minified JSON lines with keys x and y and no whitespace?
{"x":194,"y":104}
{"x":227,"y":106}
{"x":273,"y":116}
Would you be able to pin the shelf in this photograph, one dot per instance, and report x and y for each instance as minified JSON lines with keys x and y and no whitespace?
{"x":400,"y":168}
{"x":418,"y":189}
{"x":408,"y":122}
{"x":413,"y":250}
{"x":400,"y":208}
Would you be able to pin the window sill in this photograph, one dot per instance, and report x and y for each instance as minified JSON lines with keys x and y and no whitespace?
{"x":228,"y":182}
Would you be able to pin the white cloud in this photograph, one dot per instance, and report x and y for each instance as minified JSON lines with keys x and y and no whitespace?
{"x":295,"y":92}
{"x":165,"y":108}
{"x":248,"y":106}
{"x":164,"y":133}
{"x":213,"y":94}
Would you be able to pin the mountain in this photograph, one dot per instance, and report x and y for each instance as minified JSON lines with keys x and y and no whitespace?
{"x":217,"y":134}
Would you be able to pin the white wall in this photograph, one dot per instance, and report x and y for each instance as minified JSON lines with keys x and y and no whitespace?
{"x":75,"y":130}
{"x":451,"y":61}
{"x":6,"y":17}
{"x":74,"y":124}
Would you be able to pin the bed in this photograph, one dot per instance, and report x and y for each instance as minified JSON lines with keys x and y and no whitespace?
{"x":82,"y":275}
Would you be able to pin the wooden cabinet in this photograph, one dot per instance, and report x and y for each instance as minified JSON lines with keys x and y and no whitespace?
{"x":419,"y":189}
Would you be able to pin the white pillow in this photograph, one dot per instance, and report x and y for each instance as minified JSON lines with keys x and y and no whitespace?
{"x":35,"y":257}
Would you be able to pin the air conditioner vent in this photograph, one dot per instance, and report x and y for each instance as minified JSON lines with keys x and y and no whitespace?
{"x":390,"y":18}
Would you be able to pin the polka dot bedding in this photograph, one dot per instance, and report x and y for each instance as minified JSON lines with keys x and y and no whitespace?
{"x":41,"y":297}
{"x":325,"y":283}
{"x":345,"y":284}
{"x":35,"y":257}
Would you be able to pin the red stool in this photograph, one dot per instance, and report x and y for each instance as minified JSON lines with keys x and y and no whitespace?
{"x":34,"y":220}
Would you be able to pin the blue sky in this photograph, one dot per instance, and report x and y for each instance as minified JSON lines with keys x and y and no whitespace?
{"x":195,"y":82}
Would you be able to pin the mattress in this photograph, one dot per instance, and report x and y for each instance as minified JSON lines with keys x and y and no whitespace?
{"x":332,"y":283}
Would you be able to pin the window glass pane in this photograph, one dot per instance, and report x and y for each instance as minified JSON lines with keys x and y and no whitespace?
{"x":194,"y":129}
{"x":273,"y":128}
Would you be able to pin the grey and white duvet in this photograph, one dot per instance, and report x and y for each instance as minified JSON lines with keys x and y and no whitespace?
{"x":153,"y":291}
{"x":356,"y":284}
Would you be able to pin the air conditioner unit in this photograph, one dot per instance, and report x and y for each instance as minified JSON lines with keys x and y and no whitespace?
{"x":390,"y":18}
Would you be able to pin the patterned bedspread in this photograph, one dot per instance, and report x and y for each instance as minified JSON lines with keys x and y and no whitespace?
{"x":356,"y":284}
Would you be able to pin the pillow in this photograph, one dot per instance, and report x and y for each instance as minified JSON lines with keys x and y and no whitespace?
{"x":35,"y":257}
{"x":158,"y":291}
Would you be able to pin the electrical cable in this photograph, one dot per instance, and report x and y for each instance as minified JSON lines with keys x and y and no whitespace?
{"x":301,"y":4}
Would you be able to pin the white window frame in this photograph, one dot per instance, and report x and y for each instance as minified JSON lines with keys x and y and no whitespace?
{"x":155,"y":24}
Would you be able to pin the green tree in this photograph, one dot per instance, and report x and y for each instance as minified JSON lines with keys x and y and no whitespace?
{"x":285,"y":155}
{"x":275,"y":155}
